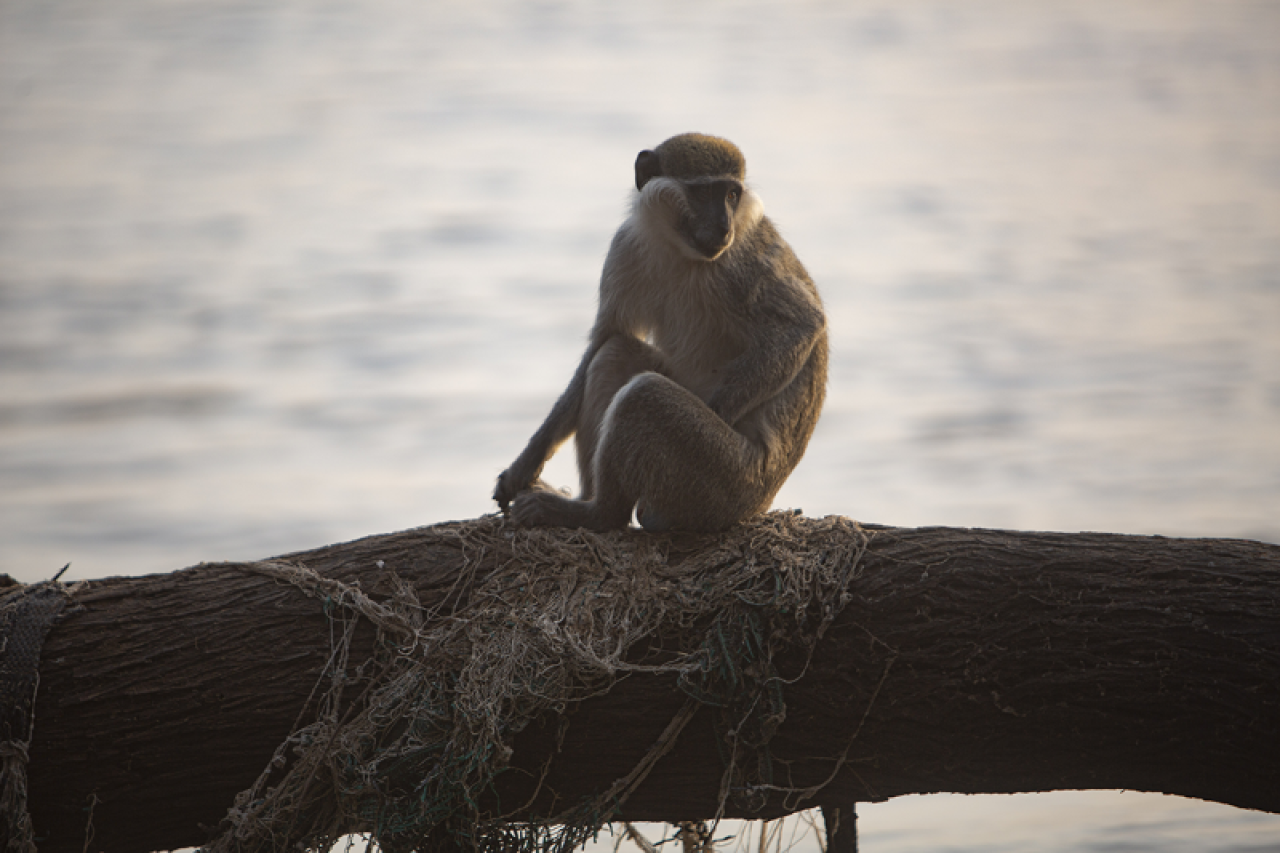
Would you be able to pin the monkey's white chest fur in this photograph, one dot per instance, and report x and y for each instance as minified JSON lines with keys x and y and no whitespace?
{"x":680,"y":306}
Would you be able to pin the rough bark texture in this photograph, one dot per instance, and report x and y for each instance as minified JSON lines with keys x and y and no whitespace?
{"x":968,"y":660}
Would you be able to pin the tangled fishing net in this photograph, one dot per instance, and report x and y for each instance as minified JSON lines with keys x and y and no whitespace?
{"x":548,"y":621}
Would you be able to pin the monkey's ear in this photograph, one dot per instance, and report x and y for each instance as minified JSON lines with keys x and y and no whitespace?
{"x":647,"y":166}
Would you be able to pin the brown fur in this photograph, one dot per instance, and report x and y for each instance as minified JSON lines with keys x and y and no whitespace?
{"x":695,"y":155}
{"x":706,"y":368}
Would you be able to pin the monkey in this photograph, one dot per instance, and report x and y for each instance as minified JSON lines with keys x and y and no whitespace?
{"x":705,"y":370}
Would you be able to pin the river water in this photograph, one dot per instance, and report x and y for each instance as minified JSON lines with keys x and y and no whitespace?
{"x":274,"y":275}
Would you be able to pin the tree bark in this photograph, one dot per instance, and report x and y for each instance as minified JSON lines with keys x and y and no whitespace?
{"x":972,"y":661}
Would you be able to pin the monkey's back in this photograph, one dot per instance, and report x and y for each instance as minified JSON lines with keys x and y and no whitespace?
{"x":777,"y":283}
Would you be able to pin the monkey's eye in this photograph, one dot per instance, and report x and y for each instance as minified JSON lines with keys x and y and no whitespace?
{"x":732,"y":196}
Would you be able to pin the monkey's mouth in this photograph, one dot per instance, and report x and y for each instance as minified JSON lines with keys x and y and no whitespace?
{"x":711,"y":244}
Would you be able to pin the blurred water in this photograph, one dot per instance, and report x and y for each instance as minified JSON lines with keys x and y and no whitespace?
{"x":277,"y":275}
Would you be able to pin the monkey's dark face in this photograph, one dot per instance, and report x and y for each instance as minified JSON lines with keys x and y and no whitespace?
{"x":707,"y":223}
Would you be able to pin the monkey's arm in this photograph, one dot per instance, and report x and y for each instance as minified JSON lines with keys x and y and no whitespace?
{"x":783,"y":340}
{"x":566,"y":414}
{"x":555,"y":431}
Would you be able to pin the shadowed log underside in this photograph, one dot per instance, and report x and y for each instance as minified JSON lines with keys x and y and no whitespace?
{"x":972,"y":661}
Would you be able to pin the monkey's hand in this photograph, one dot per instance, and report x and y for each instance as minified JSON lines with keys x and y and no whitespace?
{"x":510,"y":484}
{"x":519,"y":478}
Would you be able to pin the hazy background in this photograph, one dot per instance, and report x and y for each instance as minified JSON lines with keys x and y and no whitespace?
{"x":279,"y":274}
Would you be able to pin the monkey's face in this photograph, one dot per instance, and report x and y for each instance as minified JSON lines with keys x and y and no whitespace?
{"x":707,"y":221}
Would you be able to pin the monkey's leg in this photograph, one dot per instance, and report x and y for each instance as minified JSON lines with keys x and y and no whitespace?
{"x":616,"y":363}
{"x":660,"y":445}
{"x":663,"y":447}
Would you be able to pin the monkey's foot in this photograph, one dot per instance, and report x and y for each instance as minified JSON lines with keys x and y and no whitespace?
{"x":545,"y":507}
{"x":549,"y":508}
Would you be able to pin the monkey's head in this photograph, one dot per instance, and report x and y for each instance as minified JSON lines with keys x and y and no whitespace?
{"x":701,"y":178}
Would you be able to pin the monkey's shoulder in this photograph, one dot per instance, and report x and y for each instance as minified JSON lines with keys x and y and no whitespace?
{"x":766,"y":248}
{"x":766,"y":273}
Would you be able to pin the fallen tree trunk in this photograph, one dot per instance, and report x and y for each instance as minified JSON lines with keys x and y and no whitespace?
{"x":963,"y":660}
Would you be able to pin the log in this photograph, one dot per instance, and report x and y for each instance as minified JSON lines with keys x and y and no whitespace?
{"x":974,"y":661}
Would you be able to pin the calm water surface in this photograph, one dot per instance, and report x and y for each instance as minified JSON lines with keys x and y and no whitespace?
{"x":278,"y":275}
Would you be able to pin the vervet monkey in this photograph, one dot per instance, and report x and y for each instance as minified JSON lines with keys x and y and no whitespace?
{"x":706,"y":367}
